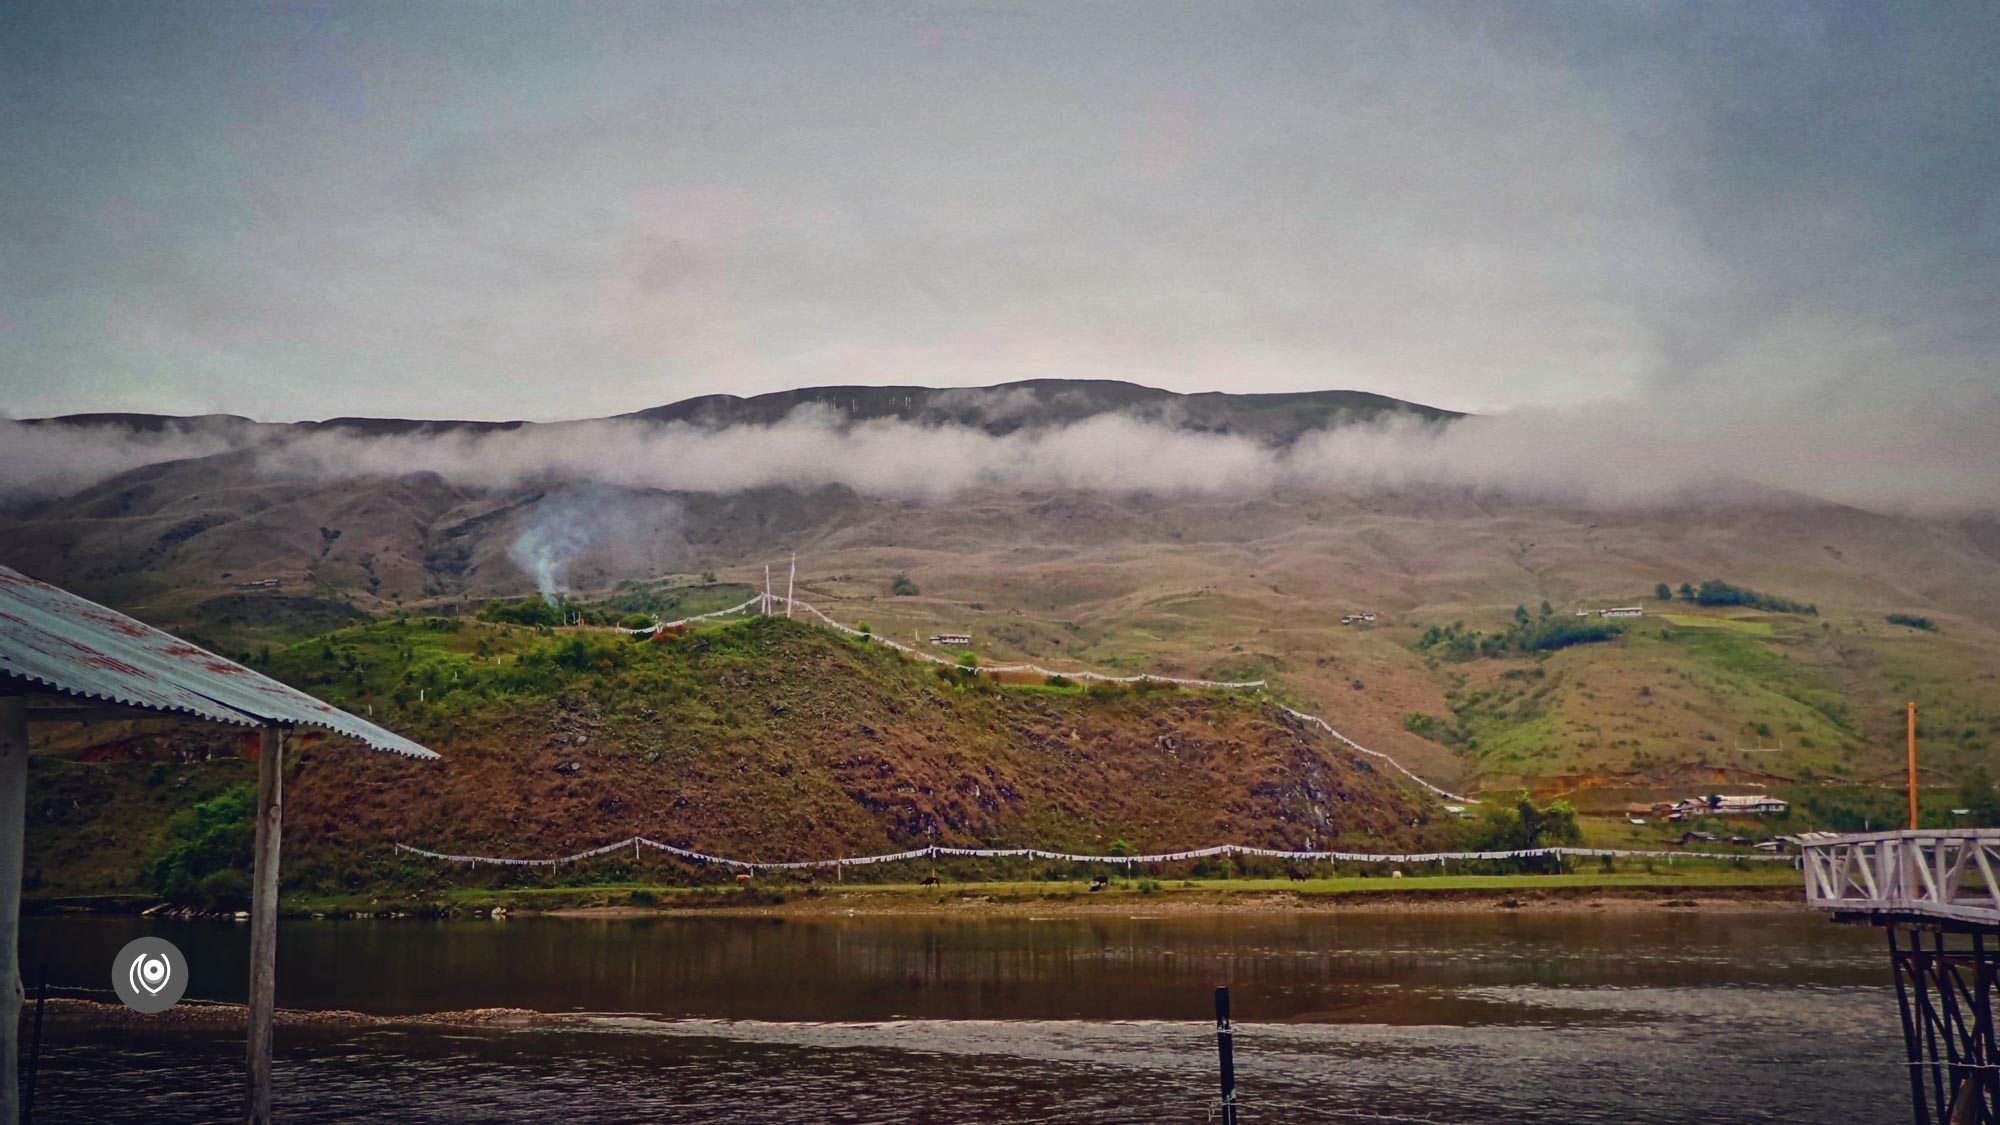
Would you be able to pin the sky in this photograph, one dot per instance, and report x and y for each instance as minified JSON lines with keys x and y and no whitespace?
{"x":549,"y":211}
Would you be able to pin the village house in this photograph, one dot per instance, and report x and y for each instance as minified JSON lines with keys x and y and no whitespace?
{"x":1754,"y":804}
{"x":1622,"y":611}
{"x":955,"y":640}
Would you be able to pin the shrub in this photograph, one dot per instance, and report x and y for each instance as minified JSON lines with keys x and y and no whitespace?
{"x":902,"y":587}
{"x":1913,"y":621}
{"x":207,"y":861}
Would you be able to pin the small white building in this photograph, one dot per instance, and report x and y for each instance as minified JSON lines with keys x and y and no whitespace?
{"x":954,"y":640}
{"x":1623,"y":611}
{"x":1754,"y":804}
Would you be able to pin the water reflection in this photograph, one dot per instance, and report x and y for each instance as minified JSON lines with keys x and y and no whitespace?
{"x":1615,"y":1017}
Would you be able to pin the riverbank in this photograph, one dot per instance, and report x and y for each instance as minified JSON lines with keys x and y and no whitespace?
{"x":1718,"y":889}
{"x":1711,"y":890}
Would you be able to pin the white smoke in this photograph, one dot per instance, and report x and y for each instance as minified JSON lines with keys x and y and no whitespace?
{"x":571,"y":520}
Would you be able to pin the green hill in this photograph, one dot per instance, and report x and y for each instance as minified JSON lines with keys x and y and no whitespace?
{"x":763,"y":739}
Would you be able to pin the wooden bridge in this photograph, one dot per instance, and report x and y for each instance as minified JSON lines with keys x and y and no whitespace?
{"x":1935,"y":893}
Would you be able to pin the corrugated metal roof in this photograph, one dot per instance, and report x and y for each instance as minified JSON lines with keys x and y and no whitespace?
{"x":78,"y":647}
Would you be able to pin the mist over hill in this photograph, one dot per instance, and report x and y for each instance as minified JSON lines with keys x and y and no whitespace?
{"x":1112,"y":526}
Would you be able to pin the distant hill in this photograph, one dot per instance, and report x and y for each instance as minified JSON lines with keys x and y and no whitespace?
{"x":1044,"y":402}
{"x":1250,"y":585}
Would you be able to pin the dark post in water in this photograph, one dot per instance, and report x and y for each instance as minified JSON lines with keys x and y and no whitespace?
{"x":1225,"y":1049}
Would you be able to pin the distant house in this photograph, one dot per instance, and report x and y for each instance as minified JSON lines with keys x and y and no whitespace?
{"x":1356,"y":618}
{"x":1623,"y":611}
{"x":1755,"y":804}
{"x":955,"y":640}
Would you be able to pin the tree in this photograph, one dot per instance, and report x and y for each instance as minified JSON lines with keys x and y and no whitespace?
{"x":968,"y":661}
{"x":708,"y":577}
{"x":1547,"y":609}
{"x":1524,"y":827}
{"x":207,"y":860}
{"x":1976,"y":795}
{"x":1521,"y":614}
{"x":1664,"y":592}
{"x":1687,"y":592}
{"x":902,"y":587}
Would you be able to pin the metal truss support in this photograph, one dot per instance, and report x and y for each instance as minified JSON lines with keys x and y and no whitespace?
{"x":1944,"y":987}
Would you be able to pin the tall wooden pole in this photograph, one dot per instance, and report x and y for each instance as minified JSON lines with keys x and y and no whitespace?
{"x":791,"y":582}
{"x":264,"y":923}
{"x":1225,"y":1049}
{"x":1913,"y":764}
{"x":13,"y":819}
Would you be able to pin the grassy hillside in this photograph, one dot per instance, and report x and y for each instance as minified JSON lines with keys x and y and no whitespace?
{"x":762,"y":738}
{"x":1223,"y":586}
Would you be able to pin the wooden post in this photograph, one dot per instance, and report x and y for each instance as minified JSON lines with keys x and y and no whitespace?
{"x":264,"y":923}
{"x":1913,"y":764}
{"x":1225,"y":1049}
{"x":13,"y":818}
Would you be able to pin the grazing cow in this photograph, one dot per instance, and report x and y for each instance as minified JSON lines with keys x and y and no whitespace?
{"x":743,"y":880}
{"x":1099,"y":883}
{"x":1295,"y":875}
{"x":930,"y":881}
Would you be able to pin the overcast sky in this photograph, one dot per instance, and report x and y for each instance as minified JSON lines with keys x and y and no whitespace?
{"x":531,"y":210}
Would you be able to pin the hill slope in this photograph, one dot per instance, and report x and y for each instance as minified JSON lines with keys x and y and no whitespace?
{"x":766,"y":739}
{"x":1223,"y":586}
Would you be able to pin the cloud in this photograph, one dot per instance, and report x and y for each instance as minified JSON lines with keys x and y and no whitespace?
{"x":1863,"y":443}
{"x":406,"y":210}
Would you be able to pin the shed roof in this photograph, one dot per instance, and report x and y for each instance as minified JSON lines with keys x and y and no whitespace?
{"x":53,"y":637}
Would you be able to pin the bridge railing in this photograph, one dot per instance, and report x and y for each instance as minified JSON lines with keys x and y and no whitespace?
{"x":1941,"y":873}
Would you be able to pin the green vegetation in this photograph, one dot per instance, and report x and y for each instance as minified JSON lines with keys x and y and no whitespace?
{"x":1547,"y":633}
{"x":534,"y":611}
{"x":207,"y":861}
{"x":1699,"y":621}
{"x":1977,"y":798}
{"x":1717,"y":592}
{"x":1693,"y":873}
{"x":902,"y":587}
{"x":1663,"y":592}
{"x":1912,"y":620}
{"x":1504,"y":827}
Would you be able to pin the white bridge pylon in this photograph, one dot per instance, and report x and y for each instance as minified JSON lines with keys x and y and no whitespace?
{"x":1940,"y":874}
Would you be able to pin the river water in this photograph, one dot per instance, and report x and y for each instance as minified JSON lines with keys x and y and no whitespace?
{"x":1647,"y":1015}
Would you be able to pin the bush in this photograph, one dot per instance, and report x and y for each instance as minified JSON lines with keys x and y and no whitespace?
{"x":1912,"y":620}
{"x":1717,"y":592}
{"x":902,"y":587}
{"x":207,"y":861}
{"x":529,"y":611}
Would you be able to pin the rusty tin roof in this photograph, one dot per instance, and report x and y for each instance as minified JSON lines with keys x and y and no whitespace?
{"x":53,"y":637}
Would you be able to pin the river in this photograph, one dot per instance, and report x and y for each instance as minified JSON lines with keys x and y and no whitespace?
{"x":1640,"y":1015}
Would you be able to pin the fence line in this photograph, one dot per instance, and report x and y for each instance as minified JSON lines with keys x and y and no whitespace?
{"x":937,"y":851}
{"x":767,"y":600}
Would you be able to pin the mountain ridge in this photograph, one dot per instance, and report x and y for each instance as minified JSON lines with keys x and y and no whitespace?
{"x":997,"y":408}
